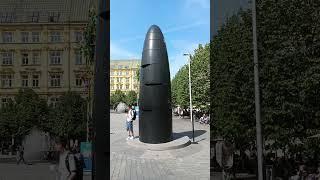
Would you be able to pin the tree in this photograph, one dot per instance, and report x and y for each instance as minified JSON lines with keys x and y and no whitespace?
{"x":232,"y":90}
{"x":68,"y":118}
{"x":288,"y":47}
{"x":131,"y":98}
{"x":27,"y":110}
{"x":117,"y":97}
{"x":199,"y":80}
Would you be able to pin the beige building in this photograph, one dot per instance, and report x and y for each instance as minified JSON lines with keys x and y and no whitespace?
{"x":39,"y":46}
{"x":123,"y":75}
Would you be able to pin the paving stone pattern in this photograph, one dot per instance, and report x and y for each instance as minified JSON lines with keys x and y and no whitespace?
{"x":188,"y":163}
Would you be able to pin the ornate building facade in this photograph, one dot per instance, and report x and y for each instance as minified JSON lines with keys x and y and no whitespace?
{"x":39,"y":47}
{"x":123,"y":75}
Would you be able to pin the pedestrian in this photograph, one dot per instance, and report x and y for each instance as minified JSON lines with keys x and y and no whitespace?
{"x":129,"y":123}
{"x":66,"y":169}
{"x":21,"y":155}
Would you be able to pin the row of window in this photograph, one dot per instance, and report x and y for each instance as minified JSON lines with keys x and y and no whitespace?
{"x":34,"y":16}
{"x":123,"y":86}
{"x":33,"y":58}
{"x":26,"y":37}
{"x":55,"y":79}
{"x":119,"y":73}
{"x":51,"y":101}
{"x":120,"y":80}
{"x":120,"y":67}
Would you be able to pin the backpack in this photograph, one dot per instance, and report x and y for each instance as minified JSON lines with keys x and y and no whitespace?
{"x":79,"y":165}
{"x":134,"y":114}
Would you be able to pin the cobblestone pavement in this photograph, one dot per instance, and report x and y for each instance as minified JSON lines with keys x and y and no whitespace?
{"x":188,"y":163}
{"x":39,"y":171}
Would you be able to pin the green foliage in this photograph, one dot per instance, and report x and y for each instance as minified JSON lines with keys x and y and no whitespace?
{"x":131,"y":98}
{"x":117,"y":97}
{"x":138,"y":74}
{"x":288,"y":48}
{"x":27,"y":110}
{"x":68,"y":118}
{"x":89,"y":41}
{"x":232,"y":94}
{"x":199,"y":80}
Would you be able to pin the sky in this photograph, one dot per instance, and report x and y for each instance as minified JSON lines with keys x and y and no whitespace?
{"x":184,"y":23}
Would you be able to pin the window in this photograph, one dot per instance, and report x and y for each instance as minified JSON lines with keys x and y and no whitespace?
{"x":7,"y":37}
{"x":54,"y":101}
{"x":6,"y":80}
{"x":35,"y":36}
{"x":53,"y":17}
{"x":135,"y":86}
{"x":55,"y":36}
{"x":7,"y":58}
{"x":24,"y":80}
{"x":118,"y":79}
{"x":127,"y":86}
{"x":25,"y":37}
{"x":7,"y":17}
{"x":78,"y":36}
{"x":4,"y":101}
{"x":78,"y":57}
{"x":35,"y":81}
{"x":127,"y":72}
{"x":127,"y":80}
{"x":55,"y":57}
{"x":126,"y":67}
{"x":119,"y":73}
{"x":55,"y":80}
{"x":25,"y":59}
{"x":36,"y":58}
{"x":35,"y":17}
{"x":78,"y":81}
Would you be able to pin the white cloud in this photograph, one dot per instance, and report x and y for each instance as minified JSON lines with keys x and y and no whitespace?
{"x":117,"y":52}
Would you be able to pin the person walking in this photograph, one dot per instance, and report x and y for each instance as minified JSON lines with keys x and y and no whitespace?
{"x":21,"y":155}
{"x":129,"y":123}
{"x":66,"y":169}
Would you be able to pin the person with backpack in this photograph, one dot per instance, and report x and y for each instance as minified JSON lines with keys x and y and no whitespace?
{"x":131,"y":116}
{"x":66,"y":169}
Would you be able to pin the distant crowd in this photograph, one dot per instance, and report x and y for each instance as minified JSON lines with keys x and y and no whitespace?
{"x":198,"y":115}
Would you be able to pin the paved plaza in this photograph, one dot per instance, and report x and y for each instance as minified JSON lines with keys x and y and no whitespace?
{"x":37,"y":171}
{"x":188,"y":163}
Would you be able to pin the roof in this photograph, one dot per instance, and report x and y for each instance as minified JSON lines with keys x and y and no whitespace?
{"x":133,"y":63}
{"x":45,"y":11}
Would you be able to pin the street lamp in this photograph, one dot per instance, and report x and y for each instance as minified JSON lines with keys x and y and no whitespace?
{"x":257,"y":93}
{"x":190,"y":96}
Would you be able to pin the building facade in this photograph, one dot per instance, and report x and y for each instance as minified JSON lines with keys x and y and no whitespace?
{"x":123,"y":75}
{"x":40,"y":47}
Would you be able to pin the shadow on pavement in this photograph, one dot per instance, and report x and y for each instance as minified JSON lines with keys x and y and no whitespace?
{"x":188,"y":133}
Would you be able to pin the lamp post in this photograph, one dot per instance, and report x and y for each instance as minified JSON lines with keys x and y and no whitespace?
{"x":257,"y":93}
{"x":190,"y":96}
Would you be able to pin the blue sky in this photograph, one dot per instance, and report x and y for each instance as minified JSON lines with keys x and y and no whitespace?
{"x":185,"y":24}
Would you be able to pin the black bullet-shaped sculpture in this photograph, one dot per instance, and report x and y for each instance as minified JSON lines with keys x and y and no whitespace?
{"x":155,"y":118}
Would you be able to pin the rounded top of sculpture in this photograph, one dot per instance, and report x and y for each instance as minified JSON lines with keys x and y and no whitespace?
{"x":154,"y":29}
{"x":154,"y":32}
